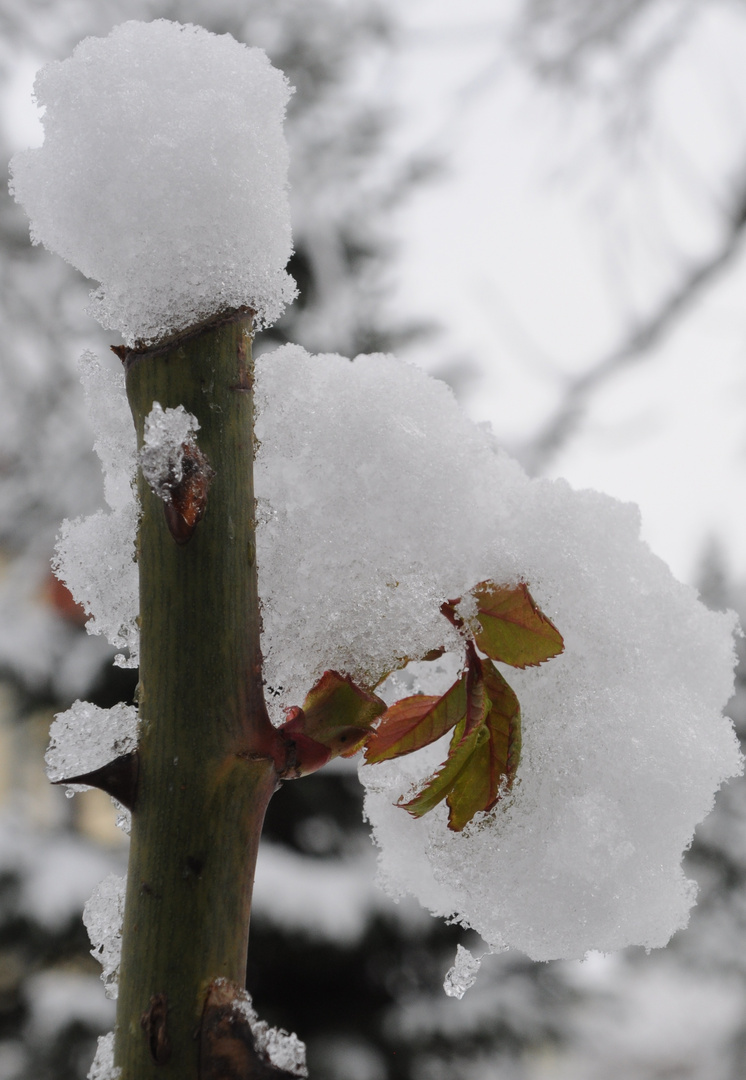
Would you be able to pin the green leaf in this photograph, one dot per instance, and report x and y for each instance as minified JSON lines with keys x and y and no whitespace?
{"x":472,"y":789}
{"x":484,"y":752}
{"x":439,"y":786}
{"x":415,"y":722}
{"x":509,"y":627}
{"x":503,"y":721}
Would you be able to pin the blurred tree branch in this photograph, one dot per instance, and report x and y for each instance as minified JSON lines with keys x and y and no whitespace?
{"x":638,"y":343}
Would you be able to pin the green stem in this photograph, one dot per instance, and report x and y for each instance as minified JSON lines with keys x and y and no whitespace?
{"x":205,"y":754}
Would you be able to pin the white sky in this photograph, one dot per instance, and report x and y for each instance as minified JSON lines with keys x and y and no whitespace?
{"x":541,"y":245}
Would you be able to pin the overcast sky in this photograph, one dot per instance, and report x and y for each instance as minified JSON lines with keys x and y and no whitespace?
{"x":546,"y":240}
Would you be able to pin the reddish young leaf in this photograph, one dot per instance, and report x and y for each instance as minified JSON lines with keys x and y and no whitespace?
{"x":334,"y":707}
{"x":335,"y":720}
{"x":509,"y":627}
{"x":415,"y":722}
{"x":503,"y":722}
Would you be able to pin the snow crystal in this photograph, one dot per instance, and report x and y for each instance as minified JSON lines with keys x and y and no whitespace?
{"x":86,"y":737}
{"x":114,"y":430}
{"x":163,"y":176}
{"x":365,"y":475}
{"x":103,"y":1067}
{"x":103,"y":916}
{"x":377,"y":500}
{"x":162,"y":456}
{"x":280,"y":1048}
{"x":462,"y":976}
{"x":95,"y":555}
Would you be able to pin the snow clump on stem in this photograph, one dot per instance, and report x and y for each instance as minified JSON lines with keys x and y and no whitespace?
{"x":167,"y":432}
{"x":95,"y":555}
{"x":103,"y":1067}
{"x":103,"y":916}
{"x":86,"y":737}
{"x":163,"y":175}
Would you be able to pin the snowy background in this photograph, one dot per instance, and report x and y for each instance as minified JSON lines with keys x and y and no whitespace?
{"x":543,"y":207}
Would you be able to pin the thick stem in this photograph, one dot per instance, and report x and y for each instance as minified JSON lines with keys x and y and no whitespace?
{"x":205,"y":767}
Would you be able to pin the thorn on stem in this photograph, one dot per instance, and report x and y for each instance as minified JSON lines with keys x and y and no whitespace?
{"x":117,"y":778}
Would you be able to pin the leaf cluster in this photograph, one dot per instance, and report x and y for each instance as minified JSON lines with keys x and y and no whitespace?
{"x":500,"y":621}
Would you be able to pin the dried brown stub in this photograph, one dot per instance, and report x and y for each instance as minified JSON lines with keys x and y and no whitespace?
{"x":188,"y":496}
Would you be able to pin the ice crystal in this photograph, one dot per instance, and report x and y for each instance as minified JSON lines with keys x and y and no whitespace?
{"x":103,"y":916}
{"x":85,"y":737}
{"x":462,"y":976}
{"x":167,"y":431}
{"x":103,"y":1067}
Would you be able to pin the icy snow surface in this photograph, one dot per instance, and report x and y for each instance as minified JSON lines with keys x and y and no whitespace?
{"x":95,"y":556}
{"x":103,"y":916}
{"x":282,"y":1049}
{"x":161,"y":457}
{"x":86,"y":737}
{"x":103,"y":1067}
{"x":376,"y":500}
{"x":163,"y":176}
{"x":462,"y":976}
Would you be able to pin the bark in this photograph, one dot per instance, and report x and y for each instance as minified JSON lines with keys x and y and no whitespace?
{"x":205,"y":757}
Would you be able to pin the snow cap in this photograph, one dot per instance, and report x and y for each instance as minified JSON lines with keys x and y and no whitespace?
{"x":163,"y":175}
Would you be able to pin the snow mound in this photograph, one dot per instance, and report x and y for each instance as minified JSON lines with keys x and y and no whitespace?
{"x":163,"y":176}
{"x":378,"y":499}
